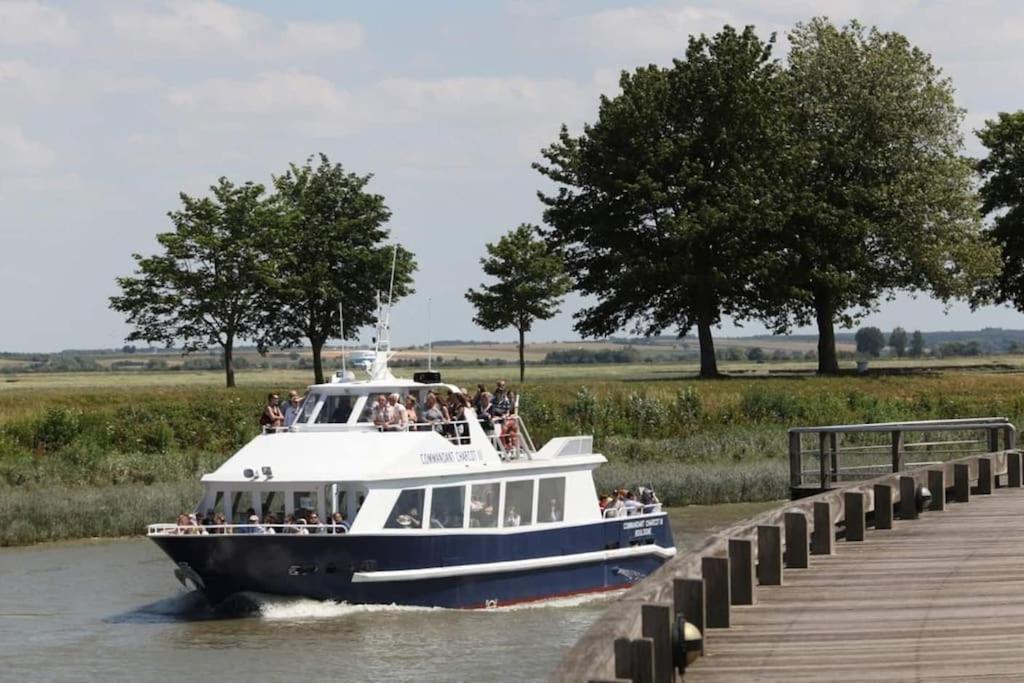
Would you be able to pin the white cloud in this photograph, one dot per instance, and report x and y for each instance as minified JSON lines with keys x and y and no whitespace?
{"x":25,"y":22}
{"x":201,"y":28}
{"x":18,"y":152}
{"x":651,"y":32}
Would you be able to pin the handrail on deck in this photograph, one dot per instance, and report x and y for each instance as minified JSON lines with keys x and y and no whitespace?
{"x":829,"y":448}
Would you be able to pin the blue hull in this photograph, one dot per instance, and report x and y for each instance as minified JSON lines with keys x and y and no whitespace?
{"x":323,"y":566}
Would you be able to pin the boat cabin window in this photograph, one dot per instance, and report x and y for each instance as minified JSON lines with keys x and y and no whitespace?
{"x":519,"y":503}
{"x":483,"y":505}
{"x":408,"y":511}
{"x":448,"y":507}
{"x":336,"y":409}
{"x":308,"y":406}
{"x":241,"y":504}
{"x":272,"y":503}
{"x":551,"y":500}
{"x":304,"y":502}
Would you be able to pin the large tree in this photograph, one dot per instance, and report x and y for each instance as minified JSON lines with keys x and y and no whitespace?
{"x":882,"y":198}
{"x":662,"y":203}
{"x":1002,"y":197}
{"x":870,"y":340}
{"x":530,"y":284}
{"x":208,"y":286}
{"x":331,"y":250}
{"x":898,"y":341}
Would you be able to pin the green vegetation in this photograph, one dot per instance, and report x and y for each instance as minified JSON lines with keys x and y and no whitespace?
{"x":89,"y":452}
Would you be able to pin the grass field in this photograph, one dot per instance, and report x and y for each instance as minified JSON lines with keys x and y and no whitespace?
{"x":153,"y":433}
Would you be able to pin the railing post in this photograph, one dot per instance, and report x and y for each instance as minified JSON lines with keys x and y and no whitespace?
{"x":883,"y":506}
{"x":961,"y":483}
{"x":1009,"y":437}
{"x":833,"y":446}
{"x":823,"y":473}
{"x":937,"y":485}
{"x":796,"y":540}
{"x":715,"y":571}
{"x":853,"y":512}
{"x":984,"y":476}
{"x":993,"y":439}
{"x":656,"y":624}
{"x":897,"y":450}
{"x":824,"y":533}
{"x":769,"y":555}
{"x":796,"y":476}
{"x":689,"y":600}
{"x":1013,"y":469}
{"x":908,"y":498}
{"x":741,"y":571}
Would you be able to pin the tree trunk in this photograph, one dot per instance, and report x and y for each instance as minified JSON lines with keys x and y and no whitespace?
{"x":229,"y":363}
{"x":522,"y":358}
{"x":827,"y":362}
{"x":708,"y":363}
{"x":318,"y":365}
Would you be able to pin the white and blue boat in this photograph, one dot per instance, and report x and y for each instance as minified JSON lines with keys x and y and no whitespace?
{"x":448,"y":517}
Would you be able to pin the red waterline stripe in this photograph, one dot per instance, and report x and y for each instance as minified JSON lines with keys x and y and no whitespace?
{"x":552,"y":596}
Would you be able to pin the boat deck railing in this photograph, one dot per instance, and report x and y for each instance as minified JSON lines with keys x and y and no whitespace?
{"x":243,"y":529}
{"x":649,"y":509}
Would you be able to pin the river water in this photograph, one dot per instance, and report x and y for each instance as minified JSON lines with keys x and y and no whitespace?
{"x":112,"y":610}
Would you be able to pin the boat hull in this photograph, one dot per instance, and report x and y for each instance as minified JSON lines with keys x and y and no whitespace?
{"x":462,"y":570}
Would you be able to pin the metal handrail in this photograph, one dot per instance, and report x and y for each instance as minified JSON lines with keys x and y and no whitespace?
{"x":615,"y":512}
{"x":910,"y":426}
{"x":252,"y":528}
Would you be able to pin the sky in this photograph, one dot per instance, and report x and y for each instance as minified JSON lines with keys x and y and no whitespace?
{"x":111,"y":108}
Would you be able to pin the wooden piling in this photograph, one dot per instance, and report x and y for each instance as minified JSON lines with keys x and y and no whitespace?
{"x":741,"y":571}
{"x":824,"y":532}
{"x":985,"y":476}
{"x":908,"y":498}
{"x":656,"y":624}
{"x":853,"y":505}
{"x":796,"y":540}
{"x":688,"y":599}
{"x":624,"y":658}
{"x":883,"y":506}
{"x":715,"y":571}
{"x":643,"y":660}
{"x":937,"y":485}
{"x":769,"y":555}
{"x":961,"y":483}
{"x":1013,"y":470}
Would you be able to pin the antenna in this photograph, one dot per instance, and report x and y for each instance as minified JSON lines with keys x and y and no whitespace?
{"x":341,"y":328}
{"x":430,"y":350}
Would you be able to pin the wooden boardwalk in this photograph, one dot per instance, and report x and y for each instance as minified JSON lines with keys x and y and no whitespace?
{"x":941,"y":597}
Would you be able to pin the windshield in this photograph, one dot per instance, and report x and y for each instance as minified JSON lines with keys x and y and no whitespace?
{"x":308,"y":405}
{"x":336,"y":409}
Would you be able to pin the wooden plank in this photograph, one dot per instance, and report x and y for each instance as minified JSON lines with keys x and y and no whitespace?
{"x":908,"y":498}
{"x":769,"y":555}
{"x":937,"y":485}
{"x":853,"y":506}
{"x":796,"y":556}
{"x":656,"y":623}
{"x":741,"y":571}
{"x":715,"y":572}
{"x":824,"y":531}
{"x":883,"y":506}
{"x":962,"y":483}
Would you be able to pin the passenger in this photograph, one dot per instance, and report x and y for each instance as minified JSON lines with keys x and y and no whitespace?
{"x":253,"y":527}
{"x":269,"y":522}
{"x":633,"y":506}
{"x":617,"y":505}
{"x":182,"y":525}
{"x":484,"y":413}
{"x":338,"y":524}
{"x":409,"y":519}
{"x":554,"y":514}
{"x":510,"y":431}
{"x":459,"y":404}
{"x":381,"y":412}
{"x":301,"y":526}
{"x":208,"y":518}
{"x":195,"y":527}
{"x":432,"y":413}
{"x":397,"y":420}
{"x":478,"y":399}
{"x":513,"y":518}
{"x":502,"y":401}
{"x":219,"y":525}
{"x":315,"y":526}
{"x":289,"y":525}
{"x":412,"y":413}
{"x":293,"y":408}
{"x":272,"y":415}
{"x":602,"y":501}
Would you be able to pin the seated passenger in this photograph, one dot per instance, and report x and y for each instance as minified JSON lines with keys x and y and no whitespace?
{"x":315,"y":526}
{"x":397,"y":421}
{"x":219,"y":525}
{"x":272,"y":416}
{"x":381,"y":414}
{"x":513,"y":518}
{"x":302,"y":526}
{"x":182,"y":525}
{"x":410,"y":519}
{"x":553,"y":514}
{"x":269,"y":522}
{"x":338,"y":524}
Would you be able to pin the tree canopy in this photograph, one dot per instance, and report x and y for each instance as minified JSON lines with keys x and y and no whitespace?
{"x":870,"y":340}
{"x":530,"y":284}
{"x":1002,"y":197}
{"x":660,"y":201}
{"x":882,"y":198}
{"x":330,"y":249}
{"x":208,"y":287}
{"x":898,"y":341}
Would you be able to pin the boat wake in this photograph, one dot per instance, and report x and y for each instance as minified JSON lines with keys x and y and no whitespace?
{"x":190,"y":606}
